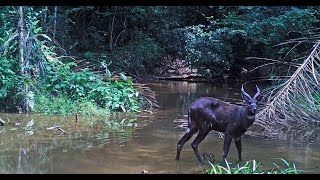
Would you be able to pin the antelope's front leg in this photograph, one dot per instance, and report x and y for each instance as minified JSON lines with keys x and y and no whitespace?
{"x":226,"y":147}
{"x":237,"y":141}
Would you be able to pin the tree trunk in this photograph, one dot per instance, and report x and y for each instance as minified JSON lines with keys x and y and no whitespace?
{"x":44,"y":18}
{"x":21,"y":40}
{"x":22,"y":47}
{"x":111,"y":28}
{"x":55,"y":22}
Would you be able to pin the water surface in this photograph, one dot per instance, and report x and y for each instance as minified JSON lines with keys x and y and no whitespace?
{"x":149,"y":145}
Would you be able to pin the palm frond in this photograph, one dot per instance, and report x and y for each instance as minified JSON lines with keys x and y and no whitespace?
{"x":297,"y":100}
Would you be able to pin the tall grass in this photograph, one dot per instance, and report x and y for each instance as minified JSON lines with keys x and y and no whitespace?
{"x":63,"y":105}
{"x":253,"y":167}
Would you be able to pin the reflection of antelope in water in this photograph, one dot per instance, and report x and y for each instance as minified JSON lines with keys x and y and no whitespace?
{"x":207,"y":113}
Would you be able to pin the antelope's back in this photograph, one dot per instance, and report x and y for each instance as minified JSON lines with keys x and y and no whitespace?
{"x":213,"y":107}
{"x":211,"y":103}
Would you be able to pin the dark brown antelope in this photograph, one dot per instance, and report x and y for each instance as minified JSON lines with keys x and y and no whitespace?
{"x":207,"y":113}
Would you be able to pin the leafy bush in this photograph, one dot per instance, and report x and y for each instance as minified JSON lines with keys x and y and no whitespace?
{"x":84,"y":92}
{"x":48,"y":104}
{"x":212,"y":50}
{"x":246,"y":32}
{"x":8,"y":77}
{"x":64,"y":106}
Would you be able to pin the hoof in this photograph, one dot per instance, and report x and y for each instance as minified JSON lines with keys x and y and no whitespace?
{"x":208,"y":157}
{"x":240,"y":163}
{"x":223,"y":163}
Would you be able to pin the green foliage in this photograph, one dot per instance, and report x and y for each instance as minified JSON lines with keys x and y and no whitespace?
{"x":62,"y":105}
{"x":264,"y":27}
{"x":46,"y":73}
{"x":88,"y":87}
{"x":214,"y":39}
{"x":8,"y":77}
{"x":265,"y":33}
{"x":48,"y":104}
{"x":9,"y":81}
{"x":61,"y":80}
{"x":212,"y":50}
{"x":89,"y":108}
{"x":140,"y":55}
{"x":253,"y":167}
{"x":115,"y":95}
{"x":35,"y":52}
{"x":9,"y":69}
{"x":245,"y":32}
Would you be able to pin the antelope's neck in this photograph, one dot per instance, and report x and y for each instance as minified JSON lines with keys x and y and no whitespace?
{"x":248,"y":119}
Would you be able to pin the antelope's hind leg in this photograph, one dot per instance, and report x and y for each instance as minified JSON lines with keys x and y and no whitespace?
{"x":189,"y":133}
{"x":201,"y":135}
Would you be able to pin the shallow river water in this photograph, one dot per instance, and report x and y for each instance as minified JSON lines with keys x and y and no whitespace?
{"x":150,"y":145}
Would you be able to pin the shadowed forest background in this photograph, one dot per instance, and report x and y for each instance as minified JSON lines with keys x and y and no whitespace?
{"x":93,"y":64}
{"x":57,"y":50}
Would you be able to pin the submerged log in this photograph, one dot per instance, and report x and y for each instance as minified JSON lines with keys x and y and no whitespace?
{"x":57,"y":128}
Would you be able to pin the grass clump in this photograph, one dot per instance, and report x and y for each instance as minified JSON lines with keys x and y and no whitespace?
{"x":253,"y":167}
{"x":63,"y":105}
